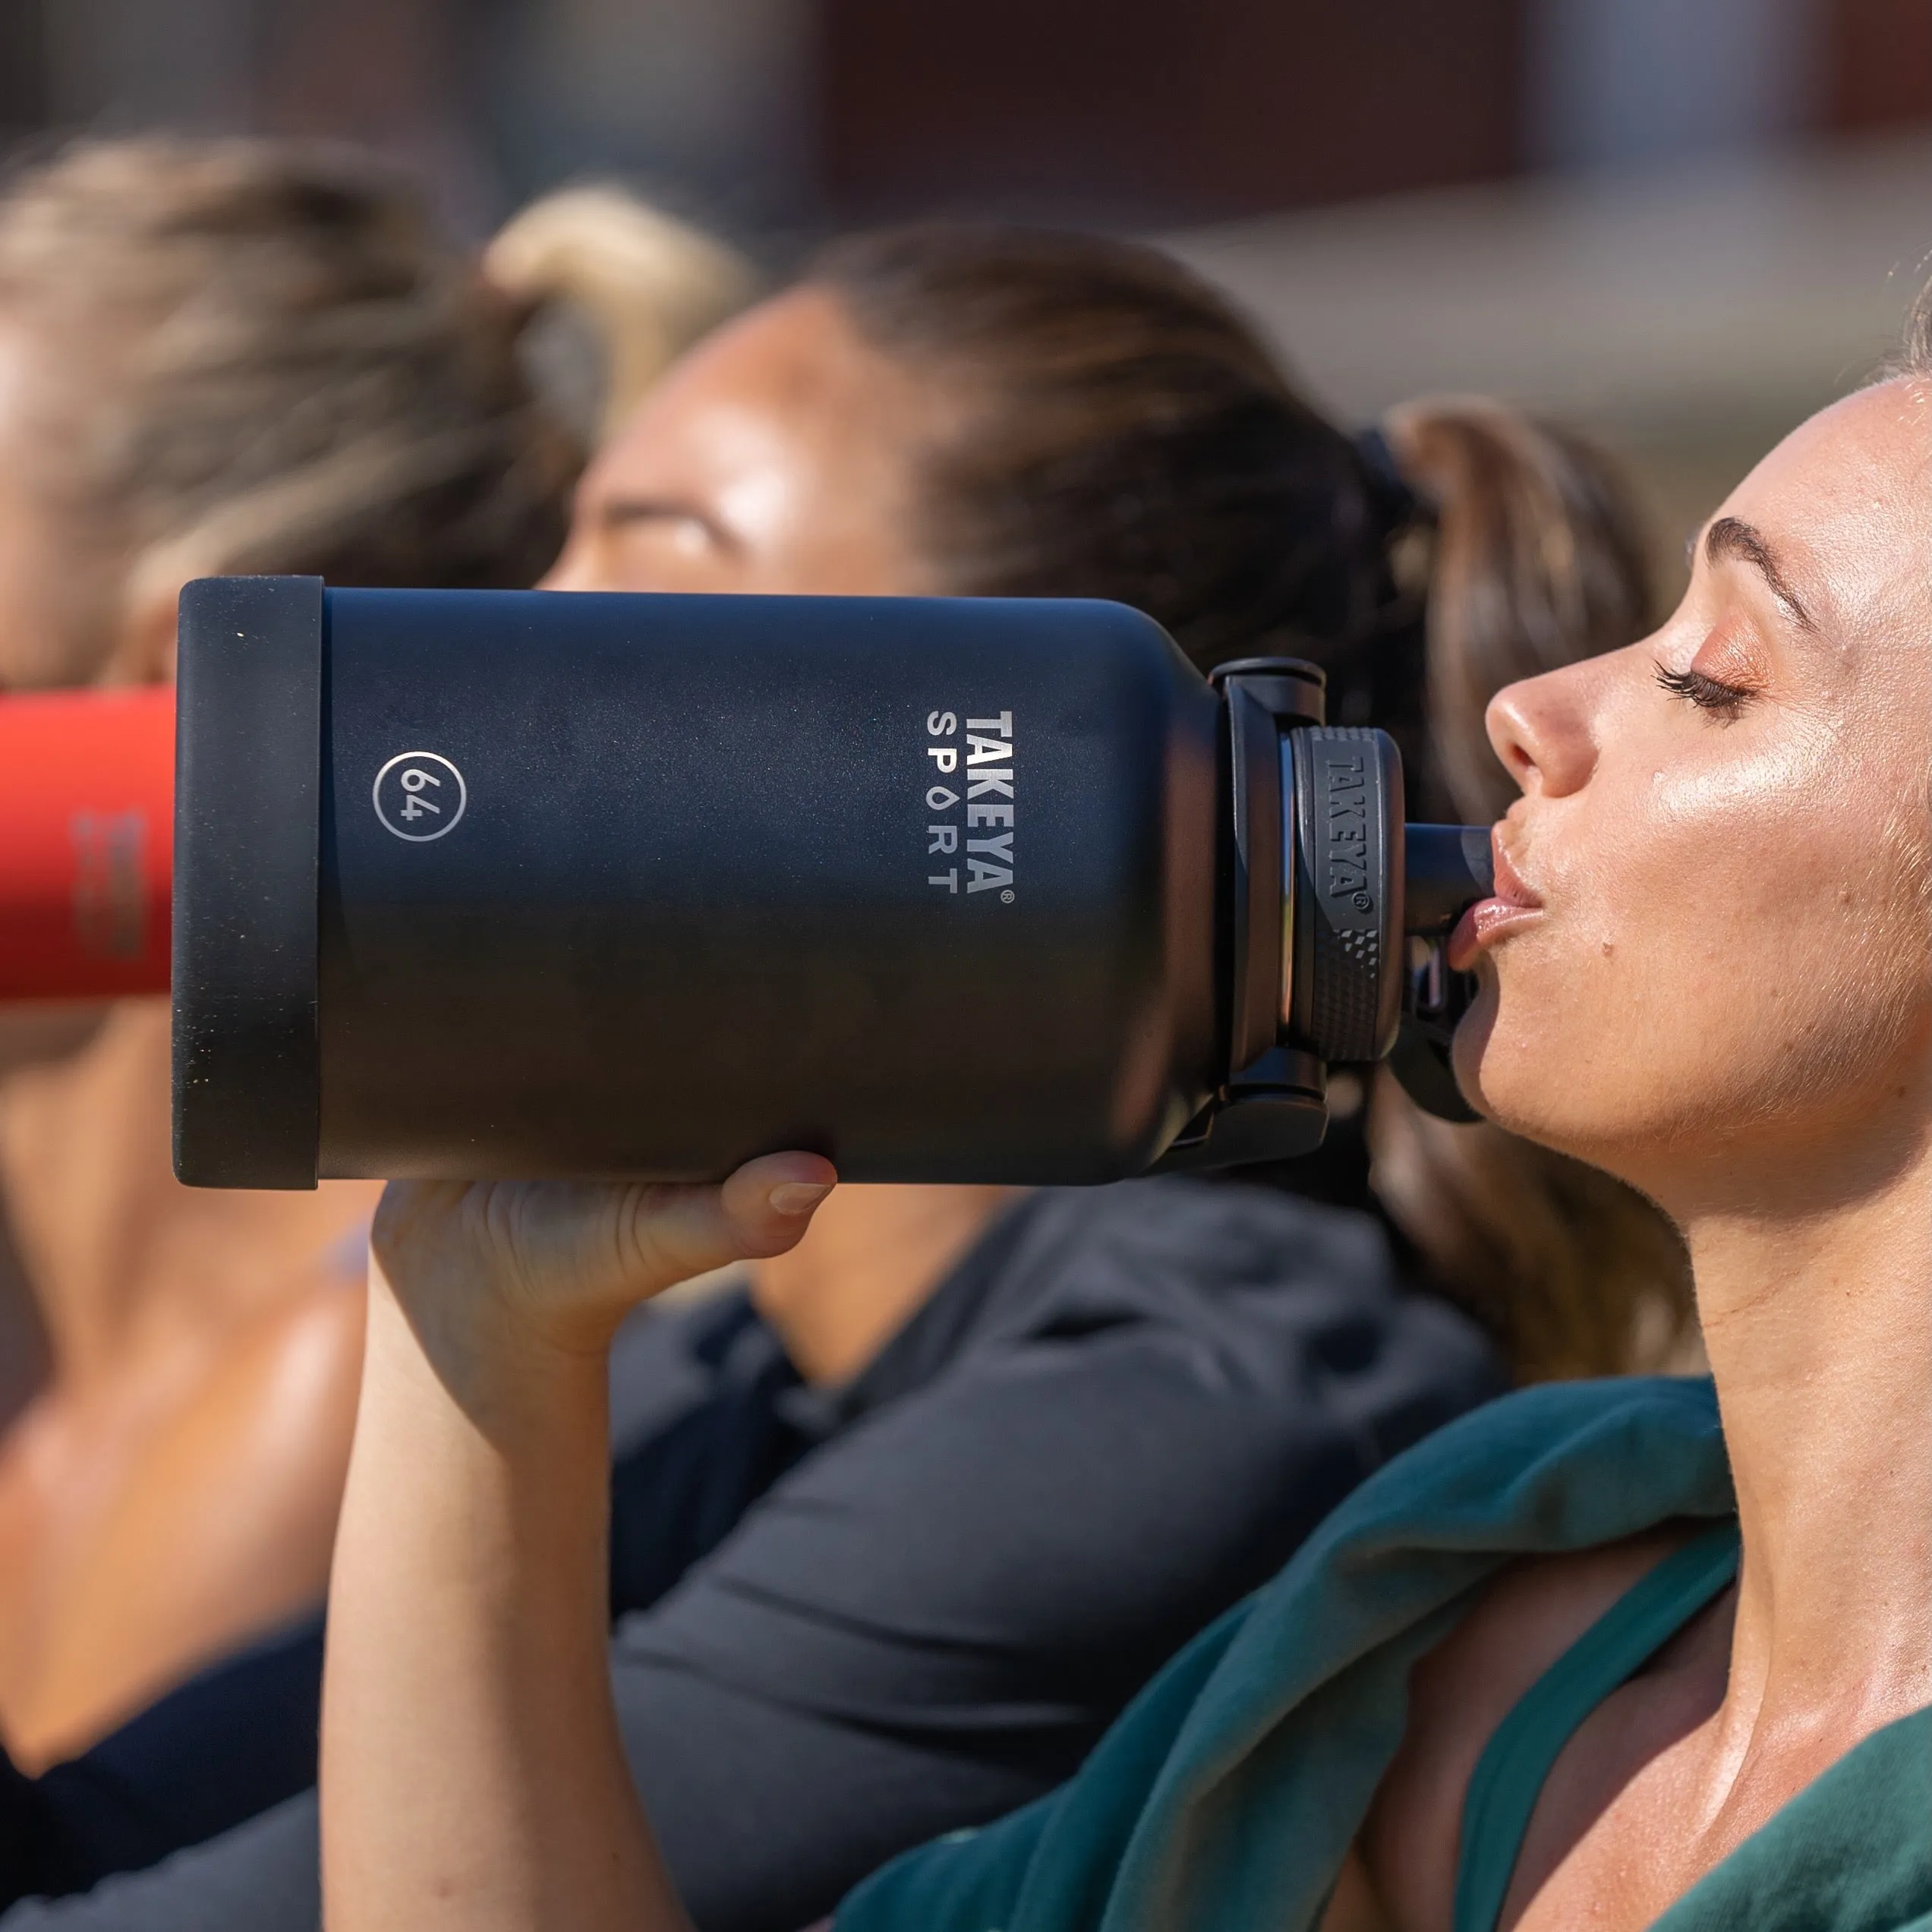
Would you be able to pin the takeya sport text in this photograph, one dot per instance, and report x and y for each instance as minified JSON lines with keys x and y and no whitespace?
{"x":988,"y":801}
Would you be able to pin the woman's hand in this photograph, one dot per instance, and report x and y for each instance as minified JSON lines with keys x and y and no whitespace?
{"x":473,"y":1779}
{"x":490,"y":1274}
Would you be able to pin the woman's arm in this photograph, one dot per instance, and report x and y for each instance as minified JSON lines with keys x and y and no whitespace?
{"x":472,"y":1778}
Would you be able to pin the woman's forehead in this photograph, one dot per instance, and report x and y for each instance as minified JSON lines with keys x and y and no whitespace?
{"x":1845,"y":501}
{"x":789,"y":371}
{"x":1870,"y":452}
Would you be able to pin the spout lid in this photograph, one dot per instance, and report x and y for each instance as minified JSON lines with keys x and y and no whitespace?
{"x":1446,"y":868}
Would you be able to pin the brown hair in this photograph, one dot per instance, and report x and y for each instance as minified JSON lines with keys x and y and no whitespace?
{"x":1131,"y":437}
{"x":259,"y":357}
{"x":1539,"y":559}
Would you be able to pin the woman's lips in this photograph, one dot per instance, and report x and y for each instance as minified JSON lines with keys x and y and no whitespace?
{"x":1512,"y":906}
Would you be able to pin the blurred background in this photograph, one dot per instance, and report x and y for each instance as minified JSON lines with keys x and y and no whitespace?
{"x":1682,"y":222}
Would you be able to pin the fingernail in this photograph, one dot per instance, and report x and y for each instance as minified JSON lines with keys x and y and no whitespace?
{"x":796,"y":1197}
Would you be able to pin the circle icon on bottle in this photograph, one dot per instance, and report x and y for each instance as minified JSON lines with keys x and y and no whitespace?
{"x":420,"y":796}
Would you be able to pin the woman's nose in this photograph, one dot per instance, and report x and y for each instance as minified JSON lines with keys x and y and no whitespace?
{"x":1540,"y":729}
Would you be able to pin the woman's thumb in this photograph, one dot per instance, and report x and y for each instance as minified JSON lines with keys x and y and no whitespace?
{"x":762,"y":1209}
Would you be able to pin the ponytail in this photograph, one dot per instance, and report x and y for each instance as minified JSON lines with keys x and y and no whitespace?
{"x":649,"y":285}
{"x":1539,"y":559}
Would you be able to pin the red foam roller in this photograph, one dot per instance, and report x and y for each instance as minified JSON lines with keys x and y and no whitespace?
{"x":86,"y":843}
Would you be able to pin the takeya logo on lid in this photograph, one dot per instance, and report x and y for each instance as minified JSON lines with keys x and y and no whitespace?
{"x":1347,"y":844}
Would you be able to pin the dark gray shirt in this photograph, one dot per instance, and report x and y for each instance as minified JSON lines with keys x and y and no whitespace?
{"x":845,"y":1621}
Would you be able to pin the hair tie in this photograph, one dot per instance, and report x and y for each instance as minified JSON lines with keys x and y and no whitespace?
{"x":1395,"y":497}
{"x":1380,"y":675}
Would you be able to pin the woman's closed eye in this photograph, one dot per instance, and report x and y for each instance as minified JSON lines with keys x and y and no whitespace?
{"x":689,"y":531}
{"x":1722,"y":701}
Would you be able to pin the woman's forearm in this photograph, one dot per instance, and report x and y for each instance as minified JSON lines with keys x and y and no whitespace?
{"x":472,"y":1776}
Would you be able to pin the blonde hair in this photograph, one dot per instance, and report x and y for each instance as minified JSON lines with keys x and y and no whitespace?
{"x":649,"y":285}
{"x":1540,"y":557}
{"x":257,"y":356}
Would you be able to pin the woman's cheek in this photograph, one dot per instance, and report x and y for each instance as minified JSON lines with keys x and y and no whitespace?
{"x":1717,"y":800}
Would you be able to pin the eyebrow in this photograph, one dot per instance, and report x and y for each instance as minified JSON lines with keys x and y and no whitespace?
{"x":1731,"y":538}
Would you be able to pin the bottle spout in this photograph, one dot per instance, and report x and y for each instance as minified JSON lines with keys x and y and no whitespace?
{"x":1446,"y":868}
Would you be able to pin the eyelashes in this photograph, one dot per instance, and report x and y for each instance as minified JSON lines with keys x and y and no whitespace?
{"x":1722,"y":701}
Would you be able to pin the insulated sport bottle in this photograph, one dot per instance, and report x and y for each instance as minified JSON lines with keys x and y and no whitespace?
{"x":514,"y":883}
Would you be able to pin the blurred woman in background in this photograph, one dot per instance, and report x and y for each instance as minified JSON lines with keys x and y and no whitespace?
{"x":990,"y":412}
{"x":214,"y":356}
{"x":899,"y":1527}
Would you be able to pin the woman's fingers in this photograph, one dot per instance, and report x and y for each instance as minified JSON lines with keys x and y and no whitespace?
{"x":566,"y":1259}
{"x":672,"y":1233}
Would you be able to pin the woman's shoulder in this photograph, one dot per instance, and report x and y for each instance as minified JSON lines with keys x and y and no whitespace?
{"x":213,"y":1495}
{"x":240,"y":1483}
{"x":1279,"y":1724}
{"x":1548,"y":1484}
{"x":1526,"y":1617}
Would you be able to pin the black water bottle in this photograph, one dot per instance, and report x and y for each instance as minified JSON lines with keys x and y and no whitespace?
{"x":492,"y":882}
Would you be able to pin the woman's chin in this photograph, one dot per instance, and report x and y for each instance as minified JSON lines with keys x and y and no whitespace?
{"x":1517,"y":1084}
{"x":1506,"y":1078}
{"x":1470,"y":1053}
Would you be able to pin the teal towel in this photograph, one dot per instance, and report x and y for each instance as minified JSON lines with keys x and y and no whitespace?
{"x":1226,"y":1796}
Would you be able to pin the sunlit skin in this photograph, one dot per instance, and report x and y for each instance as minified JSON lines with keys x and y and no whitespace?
{"x":1724,"y":992}
{"x":781,"y":455}
{"x":57,"y":582}
{"x":170,"y":1488}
